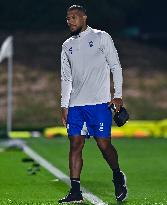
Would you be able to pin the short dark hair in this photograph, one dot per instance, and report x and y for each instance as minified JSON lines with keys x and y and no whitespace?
{"x":78,"y":7}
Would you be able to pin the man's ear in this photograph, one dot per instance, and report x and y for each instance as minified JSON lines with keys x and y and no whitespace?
{"x":85,"y":18}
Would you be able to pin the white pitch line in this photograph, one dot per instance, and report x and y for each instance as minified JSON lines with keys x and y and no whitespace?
{"x":60,"y":175}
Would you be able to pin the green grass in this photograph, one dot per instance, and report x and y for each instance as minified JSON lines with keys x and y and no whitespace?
{"x":143,"y":161}
{"x":18,"y":187}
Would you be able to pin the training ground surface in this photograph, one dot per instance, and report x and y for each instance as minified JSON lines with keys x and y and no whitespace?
{"x":143,"y":161}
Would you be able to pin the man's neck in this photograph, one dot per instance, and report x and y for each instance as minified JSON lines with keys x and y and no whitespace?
{"x":84,"y":28}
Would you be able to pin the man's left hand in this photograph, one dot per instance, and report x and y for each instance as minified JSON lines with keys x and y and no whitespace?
{"x":118,"y":102}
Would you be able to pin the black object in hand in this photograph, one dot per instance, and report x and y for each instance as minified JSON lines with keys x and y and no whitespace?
{"x":120,"y":117}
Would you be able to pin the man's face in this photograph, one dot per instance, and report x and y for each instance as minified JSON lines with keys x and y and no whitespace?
{"x":76,"y":20}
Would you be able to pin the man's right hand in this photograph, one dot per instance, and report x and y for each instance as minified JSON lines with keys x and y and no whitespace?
{"x":64,"y":113}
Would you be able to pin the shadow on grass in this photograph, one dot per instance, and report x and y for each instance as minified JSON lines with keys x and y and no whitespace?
{"x":108,"y":203}
{"x":118,"y":203}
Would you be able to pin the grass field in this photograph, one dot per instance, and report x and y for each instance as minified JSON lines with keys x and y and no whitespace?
{"x":143,"y":160}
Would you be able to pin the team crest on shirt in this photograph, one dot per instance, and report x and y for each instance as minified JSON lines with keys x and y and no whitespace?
{"x":70,"y":49}
{"x":90,"y":43}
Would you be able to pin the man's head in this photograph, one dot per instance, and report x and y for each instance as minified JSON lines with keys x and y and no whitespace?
{"x":76,"y":19}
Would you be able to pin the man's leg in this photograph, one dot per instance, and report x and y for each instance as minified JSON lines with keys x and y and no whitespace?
{"x":110,"y":155}
{"x":109,"y":152}
{"x":75,"y":155}
{"x":75,"y":166}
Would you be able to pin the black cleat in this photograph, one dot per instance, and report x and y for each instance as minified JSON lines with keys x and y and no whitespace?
{"x":72,"y":198}
{"x":121,"y":191}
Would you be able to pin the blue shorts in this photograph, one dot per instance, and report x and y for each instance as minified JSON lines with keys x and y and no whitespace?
{"x":89,"y":120}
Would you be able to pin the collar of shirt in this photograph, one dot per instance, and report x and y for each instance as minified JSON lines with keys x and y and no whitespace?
{"x":83,"y":33}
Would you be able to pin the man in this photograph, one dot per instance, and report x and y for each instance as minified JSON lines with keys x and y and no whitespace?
{"x":86,"y":60}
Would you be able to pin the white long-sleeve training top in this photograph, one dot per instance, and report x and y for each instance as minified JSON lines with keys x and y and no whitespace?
{"x":86,"y":61}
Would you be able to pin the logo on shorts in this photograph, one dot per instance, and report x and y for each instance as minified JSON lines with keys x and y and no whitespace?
{"x":68,"y":126}
{"x":101,"y":126}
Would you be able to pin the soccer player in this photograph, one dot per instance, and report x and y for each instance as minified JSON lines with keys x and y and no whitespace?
{"x":87,"y":58}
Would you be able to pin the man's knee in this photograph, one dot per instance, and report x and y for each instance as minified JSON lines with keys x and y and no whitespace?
{"x":103,"y":144}
{"x":76,"y":144}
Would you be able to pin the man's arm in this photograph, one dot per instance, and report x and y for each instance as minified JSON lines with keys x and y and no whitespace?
{"x":66,"y":85}
{"x":115,"y":66}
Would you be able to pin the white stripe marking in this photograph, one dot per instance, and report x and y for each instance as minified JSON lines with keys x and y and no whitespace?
{"x":59,"y":174}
